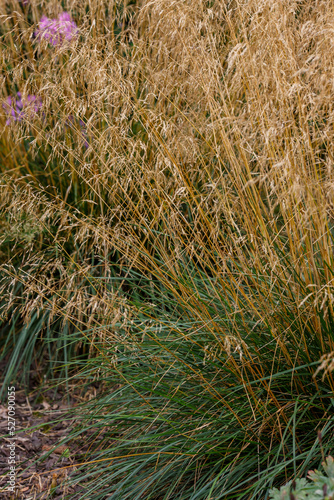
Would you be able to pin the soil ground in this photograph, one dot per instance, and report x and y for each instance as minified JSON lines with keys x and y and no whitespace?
{"x":41,"y":423}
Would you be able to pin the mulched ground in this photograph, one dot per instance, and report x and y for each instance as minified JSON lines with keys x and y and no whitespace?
{"x":42,"y":480}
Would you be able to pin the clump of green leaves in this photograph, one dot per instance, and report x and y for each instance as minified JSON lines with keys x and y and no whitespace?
{"x":322,"y":486}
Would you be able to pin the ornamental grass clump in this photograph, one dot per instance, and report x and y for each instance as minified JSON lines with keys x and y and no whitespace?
{"x":183,"y":257}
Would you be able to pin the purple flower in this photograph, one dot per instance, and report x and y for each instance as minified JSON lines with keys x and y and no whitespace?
{"x":57,"y":30}
{"x":18,"y":109}
{"x":71,"y":124}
